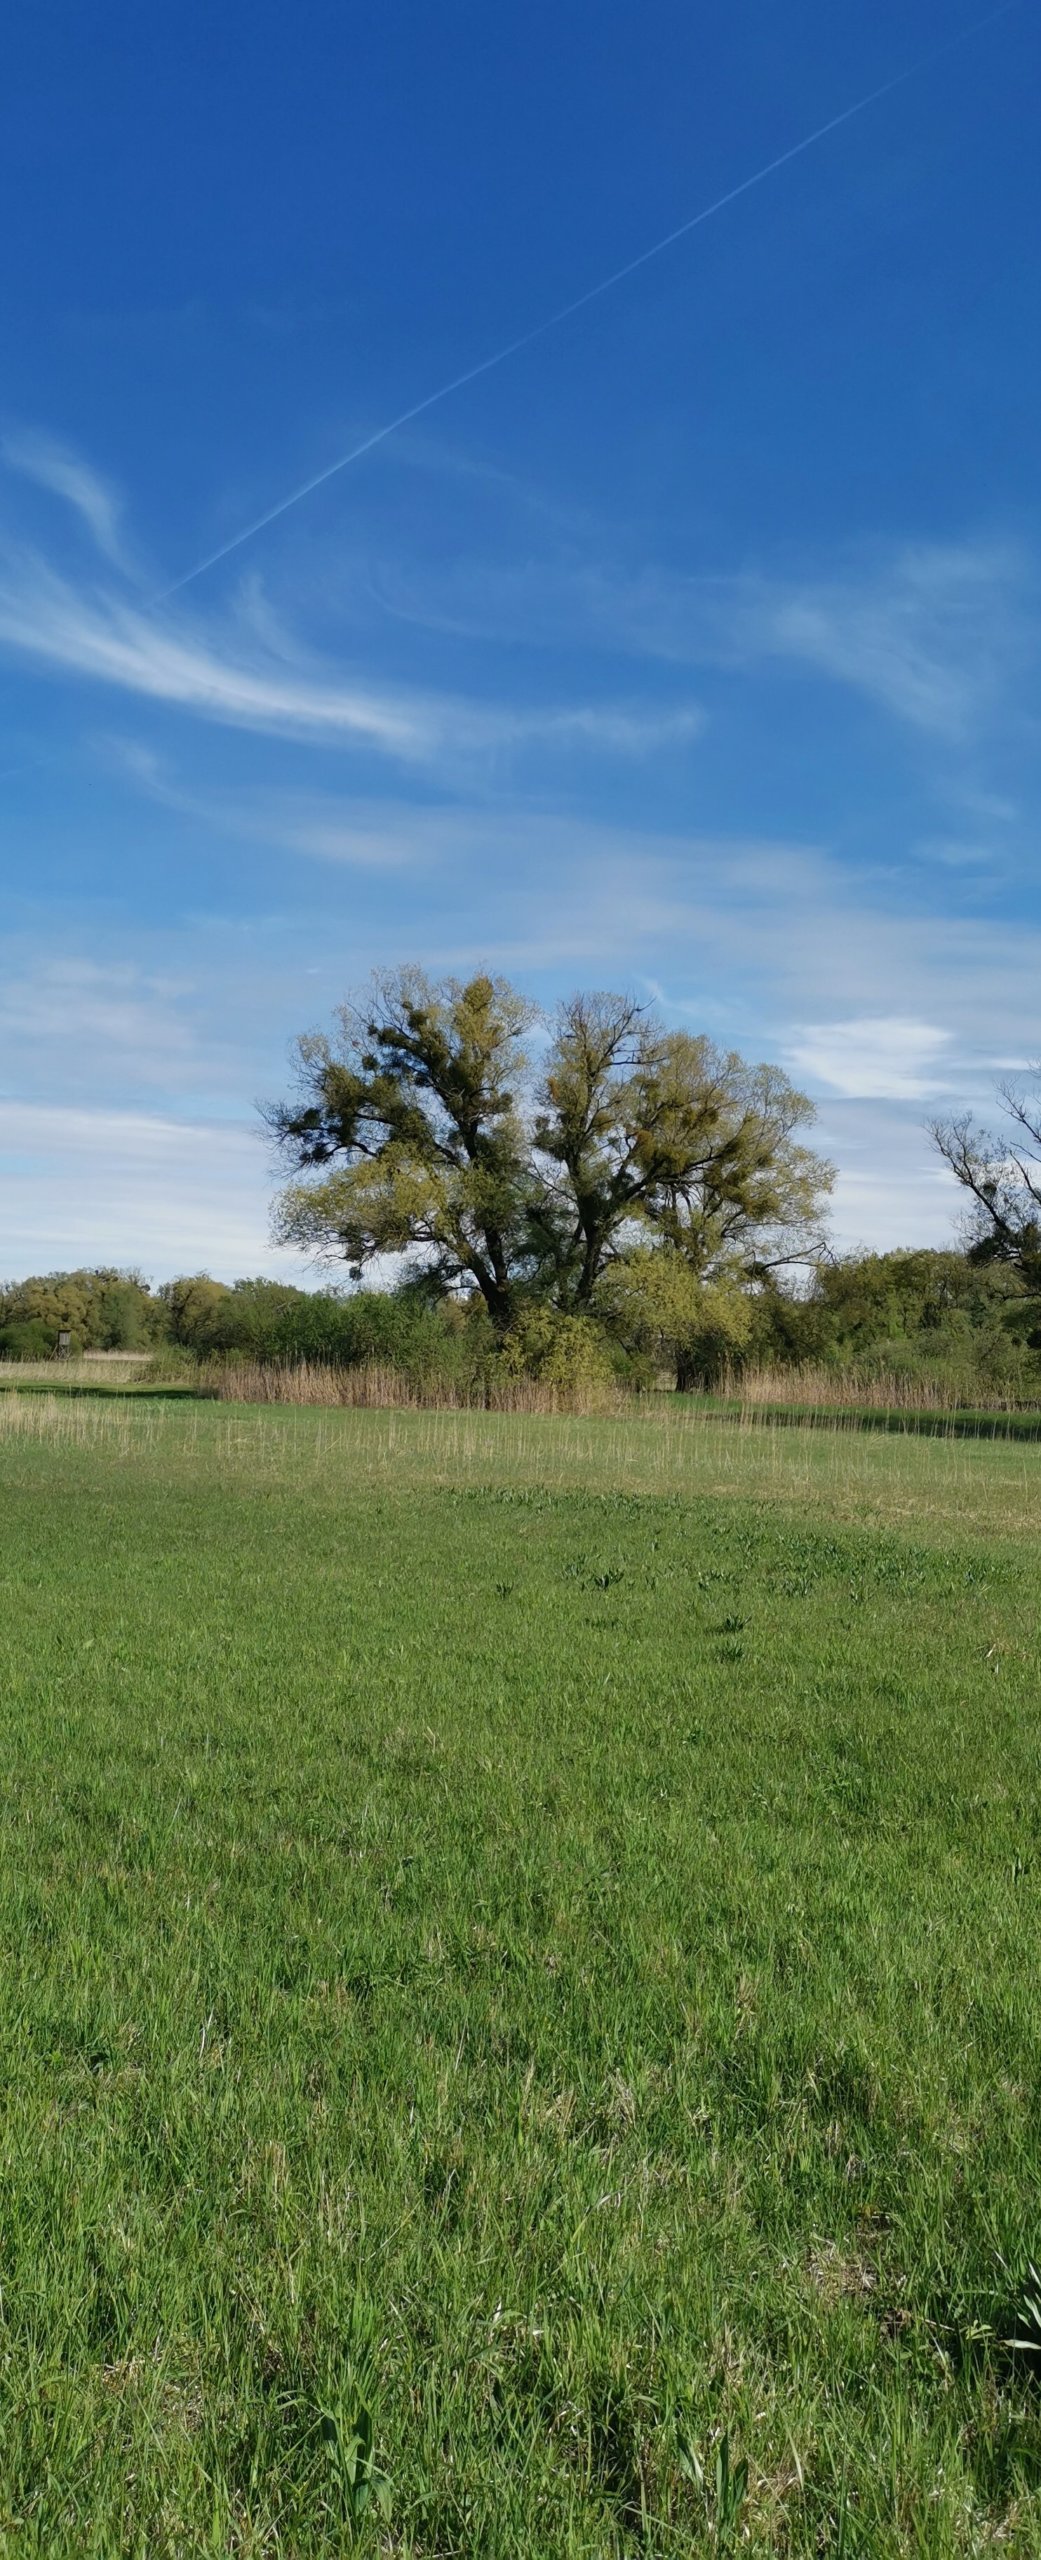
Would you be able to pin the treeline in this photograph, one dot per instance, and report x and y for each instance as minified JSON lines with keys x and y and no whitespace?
{"x":105,"y":1310}
{"x":943,"y":1317}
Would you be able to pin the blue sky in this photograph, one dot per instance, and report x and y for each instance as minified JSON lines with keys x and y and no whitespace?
{"x":692,"y":649}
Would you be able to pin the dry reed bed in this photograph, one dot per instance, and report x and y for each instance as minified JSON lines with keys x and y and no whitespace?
{"x":823,"y":1390}
{"x":378,"y":1386}
{"x":95,"y":1368}
{"x":375,"y":1386}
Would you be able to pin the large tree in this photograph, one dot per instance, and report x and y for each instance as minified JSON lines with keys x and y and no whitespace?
{"x":1001,"y":1176}
{"x":424,"y":1127}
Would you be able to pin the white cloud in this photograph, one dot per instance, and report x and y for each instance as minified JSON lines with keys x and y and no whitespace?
{"x":178,"y":1019}
{"x":55,"y":467}
{"x":776,"y":942}
{"x":954,"y":853}
{"x":889,"y":1207}
{"x":359,"y":833}
{"x":636,"y":730}
{"x":893,"y":1189}
{"x":161,"y":1195}
{"x":938,"y":635}
{"x":878,"y":1057}
{"x":95,"y":1006}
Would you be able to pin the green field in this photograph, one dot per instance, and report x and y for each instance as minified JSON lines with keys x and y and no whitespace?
{"x":520,"y":1986}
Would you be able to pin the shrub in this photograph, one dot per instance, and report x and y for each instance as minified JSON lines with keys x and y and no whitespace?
{"x":29,"y":1339}
{"x":557,"y":1350}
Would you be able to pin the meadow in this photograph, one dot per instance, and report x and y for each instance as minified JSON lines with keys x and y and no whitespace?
{"x":519,"y":2023}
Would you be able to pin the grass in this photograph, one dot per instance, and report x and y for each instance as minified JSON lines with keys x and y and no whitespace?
{"x":519,"y":2020}
{"x":106,"y":1373}
{"x":951,"y":1422}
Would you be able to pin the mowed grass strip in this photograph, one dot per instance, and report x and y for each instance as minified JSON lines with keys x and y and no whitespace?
{"x":510,"y":1988}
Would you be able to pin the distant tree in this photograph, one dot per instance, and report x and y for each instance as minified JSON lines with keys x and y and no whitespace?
{"x":387,"y":1328}
{"x":1001,"y":1176}
{"x":101,"y":1310}
{"x":125,"y":1316}
{"x":199,"y":1313}
{"x":263,"y":1310}
{"x":422,"y":1129}
{"x":556,"y":1348}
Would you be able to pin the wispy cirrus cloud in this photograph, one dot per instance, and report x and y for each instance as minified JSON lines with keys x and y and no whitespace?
{"x":937,"y":635}
{"x":235,"y":679}
{"x":56,"y":467}
{"x":934,"y":635}
{"x":321,"y":825}
{"x":243,"y":667}
{"x":114,"y":640}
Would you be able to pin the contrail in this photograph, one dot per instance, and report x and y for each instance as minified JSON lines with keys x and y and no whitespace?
{"x":593,"y":293}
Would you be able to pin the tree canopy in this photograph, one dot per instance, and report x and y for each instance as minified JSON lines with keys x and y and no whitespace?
{"x":523,"y":1160}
